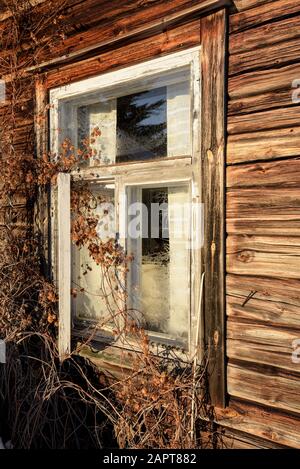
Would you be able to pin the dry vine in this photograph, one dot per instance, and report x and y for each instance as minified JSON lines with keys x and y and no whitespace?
{"x":162,"y":402}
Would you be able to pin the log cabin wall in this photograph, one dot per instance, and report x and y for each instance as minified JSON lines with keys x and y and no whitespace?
{"x":263,"y":197}
{"x":263,"y":221}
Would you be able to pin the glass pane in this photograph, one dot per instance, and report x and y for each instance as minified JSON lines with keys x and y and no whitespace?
{"x":144,"y":119}
{"x":93,"y":283}
{"x":142,"y":125}
{"x":101,"y":115}
{"x":158,"y":238}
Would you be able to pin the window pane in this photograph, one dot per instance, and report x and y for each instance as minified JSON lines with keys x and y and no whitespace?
{"x":158,"y":238}
{"x":144,"y":119}
{"x":93,"y":283}
{"x":142,"y":125}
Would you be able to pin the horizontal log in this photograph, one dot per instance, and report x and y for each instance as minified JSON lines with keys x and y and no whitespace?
{"x":279,"y":392}
{"x":268,"y":57}
{"x":260,"y":421}
{"x":262,"y":344}
{"x":266,"y":35}
{"x":233,"y":439}
{"x":263,"y":210}
{"x":275,"y":256}
{"x":174,"y":39}
{"x":94,"y":11}
{"x":282,"y":173}
{"x":264,"y":81}
{"x":275,"y":203}
{"x":267,"y":145}
{"x":266,"y":120}
{"x":285,"y":291}
{"x":264,"y":244}
{"x":261,"y":102}
{"x":113,"y":20}
{"x":260,"y":226}
{"x":262,"y":14}
{"x":86,"y":26}
{"x":242,"y":5}
{"x":247,"y":300}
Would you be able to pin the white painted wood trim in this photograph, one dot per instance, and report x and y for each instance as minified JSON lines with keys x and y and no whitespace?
{"x":169,"y":170}
{"x":64,"y":263}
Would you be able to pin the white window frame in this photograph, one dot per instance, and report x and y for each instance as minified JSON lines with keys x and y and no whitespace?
{"x":181,"y":168}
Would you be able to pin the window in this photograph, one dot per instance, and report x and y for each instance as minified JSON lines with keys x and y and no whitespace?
{"x":160,"y":274}
{"x":144,"y":175}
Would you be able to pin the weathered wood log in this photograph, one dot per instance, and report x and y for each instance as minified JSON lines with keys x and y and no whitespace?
{"x":276,"y":213}
{"x":242,"y":5}
{"x":281,"y":174}
{"x":263,"y":13}
{"x":271,"y":56}
{"x":263,"y":344}
{"x":266,"y":120}
{"x":276,"y":203}
{"x":275,"y":256}
{"x":261,"y":102}
{"x":255,"y":83}
{"x":269,"y":34}
{"x":265,"y":386}
{"x":289,"y":226}
{"x":113,"y":20}
{"x":263,"y":300}
{"x":261,"y":421}
{"x":268,"y":145}
{"x":174,"y":39}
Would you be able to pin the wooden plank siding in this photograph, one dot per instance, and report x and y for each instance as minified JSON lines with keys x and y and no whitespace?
{"x":176,"y":38}
{"x":263,"y":223}
{"x":260,"y":421}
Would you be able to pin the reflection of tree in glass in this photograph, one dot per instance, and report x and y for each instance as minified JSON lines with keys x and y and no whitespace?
{"x":142,"y":125}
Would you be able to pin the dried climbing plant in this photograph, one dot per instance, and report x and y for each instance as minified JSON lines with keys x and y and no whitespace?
{"x":161,"y":400}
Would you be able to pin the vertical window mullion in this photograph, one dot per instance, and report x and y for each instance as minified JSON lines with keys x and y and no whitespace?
{"x":64,"y":262}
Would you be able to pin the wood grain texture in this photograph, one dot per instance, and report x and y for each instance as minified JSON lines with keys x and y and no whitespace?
{"x":264,"y":387}
{"x":264,"y":145}
{"x":90,"y":12}
{"x":113,"y":30}
{"x":260,"y":224}
{"x":181,"y":37}
{"x":261,"y":421}
{"x":233,"y":439}
{"x":262,"y":300}
{"x":272,"y":56}
{"x":262,"y":344}
{"x":243,"y":5}
{"x":269,"y":34}
{"x":275,"y":256}
{"x":264,"y":211}
{"x":213,"y":29}
{"x":263,"y":81}
{"x":261,"y":102}
{"x":280,"y":174}
{"x":277,"y":212}
{"x":266,"y":120}
{"x":263,"y":13}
